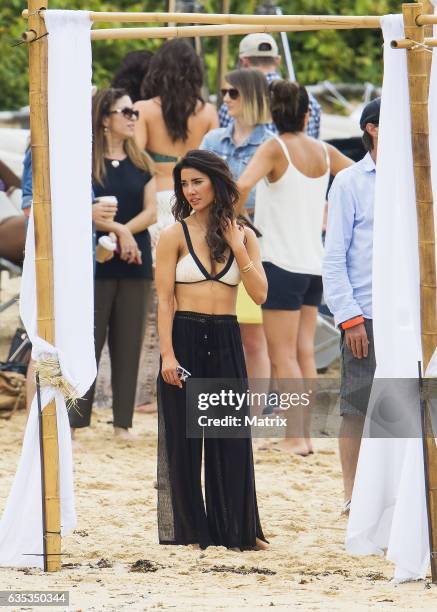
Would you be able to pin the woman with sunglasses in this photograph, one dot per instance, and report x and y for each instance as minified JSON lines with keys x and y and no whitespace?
{"x":122,"y":284}
{"x":200,"y":261}
{"x":291,"y":172}
{"x":246,"y":96}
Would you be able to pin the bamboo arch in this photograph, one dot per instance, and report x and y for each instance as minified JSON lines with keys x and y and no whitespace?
{"x":415,"y":21}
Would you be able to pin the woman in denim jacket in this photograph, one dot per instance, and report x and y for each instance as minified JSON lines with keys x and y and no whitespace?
{"x":246,"y":95}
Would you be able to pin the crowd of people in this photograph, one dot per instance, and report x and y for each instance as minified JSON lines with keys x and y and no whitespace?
{"x":221,"y":213}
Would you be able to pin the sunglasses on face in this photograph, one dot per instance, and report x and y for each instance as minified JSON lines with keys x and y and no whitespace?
{"x":231,"y":91}
{"x":128,"y":113}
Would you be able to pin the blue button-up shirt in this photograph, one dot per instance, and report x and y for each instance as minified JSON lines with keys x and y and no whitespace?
{"x":313,"y":127}
{"x":237,"y":157}
{"x":347,"y":263}
{"x":26,"y":180}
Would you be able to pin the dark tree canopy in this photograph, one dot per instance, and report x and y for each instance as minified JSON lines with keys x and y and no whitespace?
{"x":340,"y":56}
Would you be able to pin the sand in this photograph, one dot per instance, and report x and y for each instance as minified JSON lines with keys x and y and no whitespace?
{"x":299,"y":500}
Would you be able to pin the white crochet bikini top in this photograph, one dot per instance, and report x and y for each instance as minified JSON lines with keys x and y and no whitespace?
{"x":190,"y":269}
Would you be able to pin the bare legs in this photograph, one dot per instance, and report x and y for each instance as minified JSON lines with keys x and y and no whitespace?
{"x":349,"y":443}
{"x":255,"y":350}
{"x":257,"y":359}
{"x":290,"y":341}
{"x":306,"y":359}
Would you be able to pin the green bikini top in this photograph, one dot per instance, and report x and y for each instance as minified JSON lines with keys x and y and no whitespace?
{"x":160,"y":158}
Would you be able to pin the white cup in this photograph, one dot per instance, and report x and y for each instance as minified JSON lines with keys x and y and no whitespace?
{"x":105,"y":249}
{"x":108,"y":199}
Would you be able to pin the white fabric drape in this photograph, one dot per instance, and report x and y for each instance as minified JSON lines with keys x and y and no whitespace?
{"x":69,"y":108}
{"x":388,"y":510}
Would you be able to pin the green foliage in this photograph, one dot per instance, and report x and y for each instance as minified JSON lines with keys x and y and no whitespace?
{"x":353,"y":55}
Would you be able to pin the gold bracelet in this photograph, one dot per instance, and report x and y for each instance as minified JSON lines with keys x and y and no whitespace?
{"x":248,"y":267}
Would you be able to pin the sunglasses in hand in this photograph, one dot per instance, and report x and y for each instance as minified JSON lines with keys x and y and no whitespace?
{"x":182,"y":373}
{"x":127,"y":112}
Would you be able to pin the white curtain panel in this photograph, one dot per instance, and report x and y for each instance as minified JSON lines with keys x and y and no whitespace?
{"x":388,"y":510}
{"x":69,"y":107}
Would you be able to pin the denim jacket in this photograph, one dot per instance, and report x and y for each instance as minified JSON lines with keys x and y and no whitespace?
{"x":237,"y":157}
{"x":26,"y":180}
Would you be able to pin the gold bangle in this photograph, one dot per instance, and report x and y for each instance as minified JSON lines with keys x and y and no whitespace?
{"x":248,"y":267}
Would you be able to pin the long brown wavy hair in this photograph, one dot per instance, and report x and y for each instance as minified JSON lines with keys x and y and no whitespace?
{"x":102,"y":103}
{"x":175,"y":76}
{"x":226,"y":196}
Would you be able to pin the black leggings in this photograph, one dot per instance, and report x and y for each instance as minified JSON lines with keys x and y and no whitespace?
{"x":208,"y":346}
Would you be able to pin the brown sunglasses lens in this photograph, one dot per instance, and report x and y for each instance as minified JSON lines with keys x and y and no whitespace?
{"x":232,"y":93}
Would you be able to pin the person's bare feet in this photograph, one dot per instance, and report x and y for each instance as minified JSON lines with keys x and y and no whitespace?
{"x":124,"y":434}
{"x":310,"y":448}
{"x":296,"y":446}
{"x":261,"y":545}
{"x":146,"y":408}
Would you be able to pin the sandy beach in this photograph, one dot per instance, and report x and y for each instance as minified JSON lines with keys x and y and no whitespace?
{"x":299,"y":500}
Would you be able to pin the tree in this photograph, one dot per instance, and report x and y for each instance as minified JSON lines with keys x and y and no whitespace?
{"x":342,"y":56}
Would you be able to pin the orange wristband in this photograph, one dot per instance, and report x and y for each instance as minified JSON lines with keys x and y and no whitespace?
{"x":352,"y":322}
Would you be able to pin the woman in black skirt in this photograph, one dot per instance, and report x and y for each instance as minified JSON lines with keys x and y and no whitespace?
{"x":199,"y":264}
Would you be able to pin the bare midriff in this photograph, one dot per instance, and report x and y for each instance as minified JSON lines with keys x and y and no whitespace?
{"x":207,"y":297}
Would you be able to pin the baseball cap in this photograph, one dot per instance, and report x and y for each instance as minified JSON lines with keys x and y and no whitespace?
{"x":258,"y":45}
{"x":370,"y":113}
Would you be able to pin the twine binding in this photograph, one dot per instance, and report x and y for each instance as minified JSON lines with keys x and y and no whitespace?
{"x":50,"y":375}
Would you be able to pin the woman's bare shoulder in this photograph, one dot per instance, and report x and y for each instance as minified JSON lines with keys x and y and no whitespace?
{"x":152,"y":105}
{"x":172,"y":232}
{"x":270,"y":147}
{"x":204,"y":109}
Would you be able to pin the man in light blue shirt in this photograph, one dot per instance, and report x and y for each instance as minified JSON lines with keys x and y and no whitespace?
{"x":347,"y":286}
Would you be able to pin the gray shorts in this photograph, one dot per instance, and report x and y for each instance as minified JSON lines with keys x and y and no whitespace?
{"x":356,"y":376}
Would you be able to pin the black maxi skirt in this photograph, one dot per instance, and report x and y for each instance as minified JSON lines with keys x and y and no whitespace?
{"x":208,"y":346}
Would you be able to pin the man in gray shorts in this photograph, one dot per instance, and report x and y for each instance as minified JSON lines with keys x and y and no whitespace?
{"x":347,"y":285}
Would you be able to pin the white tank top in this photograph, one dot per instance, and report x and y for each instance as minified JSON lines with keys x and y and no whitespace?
{"x":289,"y":214}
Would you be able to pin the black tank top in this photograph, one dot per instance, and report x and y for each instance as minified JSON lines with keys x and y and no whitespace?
{"x":126,"y":182}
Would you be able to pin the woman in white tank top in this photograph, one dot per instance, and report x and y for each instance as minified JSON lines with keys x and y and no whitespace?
{"x":292,"y":174}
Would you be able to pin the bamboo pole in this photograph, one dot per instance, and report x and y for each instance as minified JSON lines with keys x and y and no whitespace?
{"x":418,"y":83}
{"x":407,"y":43}
{"x":223,"y":51}
{"x":315,"y":22}
{"x":171,"y":8}
{"x":44,"y":275}
{"x":427,"y":8}
{"x":192,"y":31}
{"x":424,"y":20}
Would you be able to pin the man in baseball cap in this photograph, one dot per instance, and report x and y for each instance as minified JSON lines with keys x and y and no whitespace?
{"x":260,"y":51}
{"x":369,"y":123}
{"x":258,"y":45}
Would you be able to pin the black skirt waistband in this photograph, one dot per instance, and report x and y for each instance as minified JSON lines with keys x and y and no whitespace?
{"x":204,"y":317}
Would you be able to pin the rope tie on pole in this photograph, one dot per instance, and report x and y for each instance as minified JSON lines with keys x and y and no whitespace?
{"x":50,"y":375}
{"x":417,"y":44}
